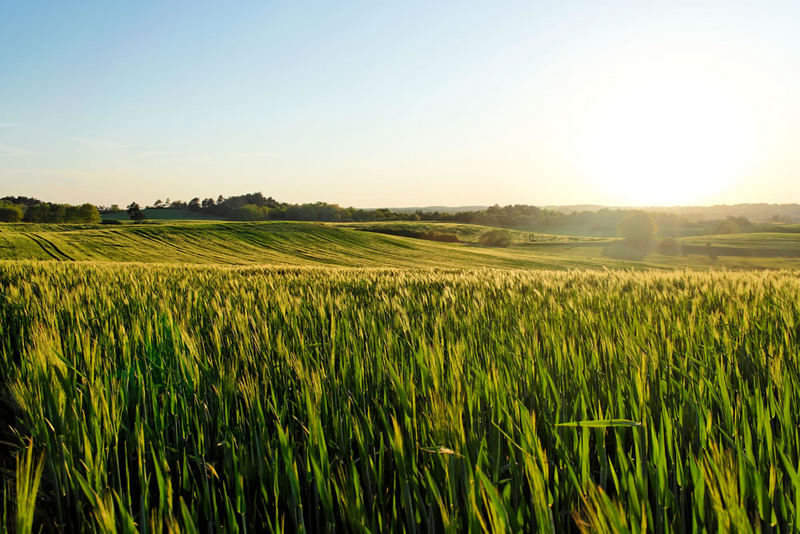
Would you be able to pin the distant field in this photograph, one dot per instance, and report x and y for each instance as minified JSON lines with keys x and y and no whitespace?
{"x":469,"y":233}
{"x":778,"y":227}
{"x":764,"y":240}
{"x":295,"y":243}
{"x":275,"y":243}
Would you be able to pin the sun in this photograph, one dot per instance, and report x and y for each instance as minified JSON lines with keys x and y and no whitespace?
{"x":666,"y":138}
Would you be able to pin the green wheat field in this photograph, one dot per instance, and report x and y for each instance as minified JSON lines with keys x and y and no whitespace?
{"x":290,"y":377}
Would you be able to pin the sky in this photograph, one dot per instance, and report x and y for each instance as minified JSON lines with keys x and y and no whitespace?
{"x":408,"y":103}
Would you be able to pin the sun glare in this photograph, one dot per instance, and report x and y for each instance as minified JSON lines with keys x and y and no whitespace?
{"x":676,"y":138}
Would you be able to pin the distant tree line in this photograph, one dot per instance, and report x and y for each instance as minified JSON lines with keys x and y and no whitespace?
{"x":517,"y":215}
{"x":257,"y":207}
{"x":26,"y":209}
{"x":601,"y":222}
{"x":607,"y":221}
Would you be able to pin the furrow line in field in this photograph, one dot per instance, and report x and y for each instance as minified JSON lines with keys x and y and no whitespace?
{"x":164,"y":242}
{"x":43,"y":247}
{"x":70,"y":258}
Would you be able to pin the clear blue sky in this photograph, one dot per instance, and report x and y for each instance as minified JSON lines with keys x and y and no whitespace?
{"x":413,"y":103}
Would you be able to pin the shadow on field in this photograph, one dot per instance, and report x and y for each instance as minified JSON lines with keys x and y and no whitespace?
{"x":623,"y":250}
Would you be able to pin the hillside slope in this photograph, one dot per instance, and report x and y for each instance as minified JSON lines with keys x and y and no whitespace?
{"x":304,"y":243}
{"x":277,"y":243}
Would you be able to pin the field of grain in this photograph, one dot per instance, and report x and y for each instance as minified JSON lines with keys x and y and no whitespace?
{"x":470,"y":233}
{"x":274,"y":243}
{"x":251,"y":399}
{"x":309,"y":244}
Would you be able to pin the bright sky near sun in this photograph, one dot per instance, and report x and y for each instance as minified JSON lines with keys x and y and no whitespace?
{"x":408,"y":104}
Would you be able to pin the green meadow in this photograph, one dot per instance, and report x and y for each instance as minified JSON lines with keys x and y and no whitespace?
{"x":366,"y":245}
{"x":188,"y":376}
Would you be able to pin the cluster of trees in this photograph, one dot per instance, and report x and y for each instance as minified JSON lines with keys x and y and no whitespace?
{"x":135,"y":212}
{"x":495,"y":238}
{"x":606,"y":221}
{"x":639,"y":228}
{"x":518,"y":215}
{"x":257,"y":207}
{"x":602,"y":222}
{"x":10,"y":212}
{"x":25,"y":209}
{"x":732,"y":225}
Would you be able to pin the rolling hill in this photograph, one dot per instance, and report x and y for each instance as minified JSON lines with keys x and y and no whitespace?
{"x":243,"y":243}
{"x":304,"y":243}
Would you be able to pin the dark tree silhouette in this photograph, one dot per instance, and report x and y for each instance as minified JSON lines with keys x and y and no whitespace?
{"x":638,"y":228}
{"x":135,"y":212}
{"x":10,"y":213}
{"x":495,"y":238}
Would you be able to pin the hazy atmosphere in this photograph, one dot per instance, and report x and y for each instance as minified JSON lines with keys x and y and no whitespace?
{"x":423,"y":267}
{"x":412,"y":104}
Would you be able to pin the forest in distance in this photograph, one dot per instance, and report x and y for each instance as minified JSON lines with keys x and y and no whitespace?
{"x":596,"y":220}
